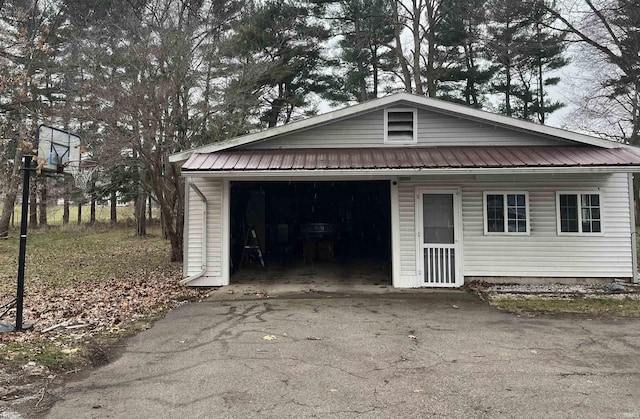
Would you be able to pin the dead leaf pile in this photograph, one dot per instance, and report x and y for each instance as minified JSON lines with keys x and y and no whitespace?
{"x":88,"y":308}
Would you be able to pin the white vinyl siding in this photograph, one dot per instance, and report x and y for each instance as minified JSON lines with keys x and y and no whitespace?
{"x":434,"y":129}
{"x":542,"y":253}
{"x":212,"y":190}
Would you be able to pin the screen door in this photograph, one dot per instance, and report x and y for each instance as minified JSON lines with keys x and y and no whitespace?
{"x":438,"y":244}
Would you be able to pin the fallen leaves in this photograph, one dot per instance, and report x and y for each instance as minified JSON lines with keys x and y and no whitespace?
{"x":85,"y":282}
{"x":269,"y":337}
{"x":87,"y":308}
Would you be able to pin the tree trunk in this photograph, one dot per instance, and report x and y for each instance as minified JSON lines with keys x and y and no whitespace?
{"x":79,"y":212}
{"x":417,"y":11}
{"x":397,"y":29}
{"x":11,"y":194}
{"x":171,"y":208}
{"x":92,"y":213}
{"x":113,"y":204}
{"x":507,"y":91}
{"x":150,"y":208}
{"x":66,"y":203}
{"x":140,"y":215}
{"x":374,"y":70}
{"x":43,"y":202}
{"x":276,"y":108}
{"x":362,"y":82}
{"x":33,"y":203}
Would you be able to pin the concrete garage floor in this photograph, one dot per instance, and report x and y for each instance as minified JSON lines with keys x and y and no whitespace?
{"x":410,"y":355}
{"x":355,"y":276}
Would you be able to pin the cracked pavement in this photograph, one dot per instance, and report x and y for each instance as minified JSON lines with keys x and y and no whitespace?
{"x":412,"y":355}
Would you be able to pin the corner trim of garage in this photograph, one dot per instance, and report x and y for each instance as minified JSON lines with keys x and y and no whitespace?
{"x":203,"y":268}
{"x":395,"y":232}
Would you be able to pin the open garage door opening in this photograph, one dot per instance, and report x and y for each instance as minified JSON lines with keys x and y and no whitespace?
{"x":335,"y":228}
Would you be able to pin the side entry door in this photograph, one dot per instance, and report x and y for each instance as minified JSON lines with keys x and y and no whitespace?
{"x":438,"y":238}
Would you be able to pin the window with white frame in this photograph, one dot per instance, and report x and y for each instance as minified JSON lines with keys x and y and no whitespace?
{"x":506,"y":213}
{"x":579,"y":212}
{"x":401,"y":126}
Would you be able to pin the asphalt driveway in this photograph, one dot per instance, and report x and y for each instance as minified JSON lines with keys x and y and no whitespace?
{"x":411,"y":355}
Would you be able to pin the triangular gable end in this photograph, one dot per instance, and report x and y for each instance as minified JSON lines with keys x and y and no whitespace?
{"x":433,"y":129}
{"x":439,"y":123}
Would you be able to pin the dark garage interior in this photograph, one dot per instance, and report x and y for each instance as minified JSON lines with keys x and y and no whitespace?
{"x":309,"y":223}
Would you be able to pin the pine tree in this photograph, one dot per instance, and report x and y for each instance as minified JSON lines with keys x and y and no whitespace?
{"x":526,"y":51}
{"x":466,"y":79}
{"x":366,"y":29}
{"x":276,"y":58}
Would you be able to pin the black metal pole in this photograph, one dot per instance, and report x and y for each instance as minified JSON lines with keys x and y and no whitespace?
{"x":26,"y":174}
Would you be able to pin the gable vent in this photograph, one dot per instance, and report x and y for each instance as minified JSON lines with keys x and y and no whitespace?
{"x":400,"y":126}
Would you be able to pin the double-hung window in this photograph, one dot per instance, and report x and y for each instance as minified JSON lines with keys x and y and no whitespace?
{"x":579,"y":212}
{"x":506,"y":213}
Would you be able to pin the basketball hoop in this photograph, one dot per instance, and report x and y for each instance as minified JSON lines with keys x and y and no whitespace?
{"x":82,"y":172}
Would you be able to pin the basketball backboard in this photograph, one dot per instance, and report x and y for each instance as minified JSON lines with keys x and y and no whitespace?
{"x":56,"y":148}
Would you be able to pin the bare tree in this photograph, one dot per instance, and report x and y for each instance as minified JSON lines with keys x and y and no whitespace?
{"x":610,"y":29}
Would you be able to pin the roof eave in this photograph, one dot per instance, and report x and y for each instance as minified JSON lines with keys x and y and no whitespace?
{"x":413,"y":171}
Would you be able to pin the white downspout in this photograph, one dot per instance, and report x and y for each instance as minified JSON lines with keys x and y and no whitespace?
{"x":634,"y":239}
{"x":203,"y":269}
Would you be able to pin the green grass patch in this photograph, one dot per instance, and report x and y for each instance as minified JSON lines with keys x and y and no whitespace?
{"x":103,"y":214}
{"x":63,"y":256}
{"x":42,"y":352}
{"x":596,"y":307}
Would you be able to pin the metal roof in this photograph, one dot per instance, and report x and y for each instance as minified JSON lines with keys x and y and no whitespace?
{"x":239,"y":160}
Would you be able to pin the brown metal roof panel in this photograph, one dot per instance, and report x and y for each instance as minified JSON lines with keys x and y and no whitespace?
{"x":423,"y":157}
{"x":405,"y":158}
{"x":357,"y":162}
{"x":410,"y":157}
{"x":450,"y":156}
{"x":474,"y":158}
{"x":571,"y":157}
{"x":321,"y":160}
{"x":367,"y":159}
{"x":253,"y":162}
{"x":508,"y":156}
{"x":551,"y":156}
{"x":333,"y":159}
{"x":383,"y":159}
{"x":309,"y":160}
{"x":276,"y":161}
{"x":287,"y":160}
{"x":344,"y":159}
{"x":243,"y":161}
{"x":595,"y":156}
{"x":232,"y":162}
{"x":629,"y":156}
{"x":197,"y":160}
{"x":464,"y":158}
{"x":265,"y":161}
{"x":402,"y":158}
{"x":218,"y":162}
{"x":536,"y":158}
{"x":298,"y":159}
